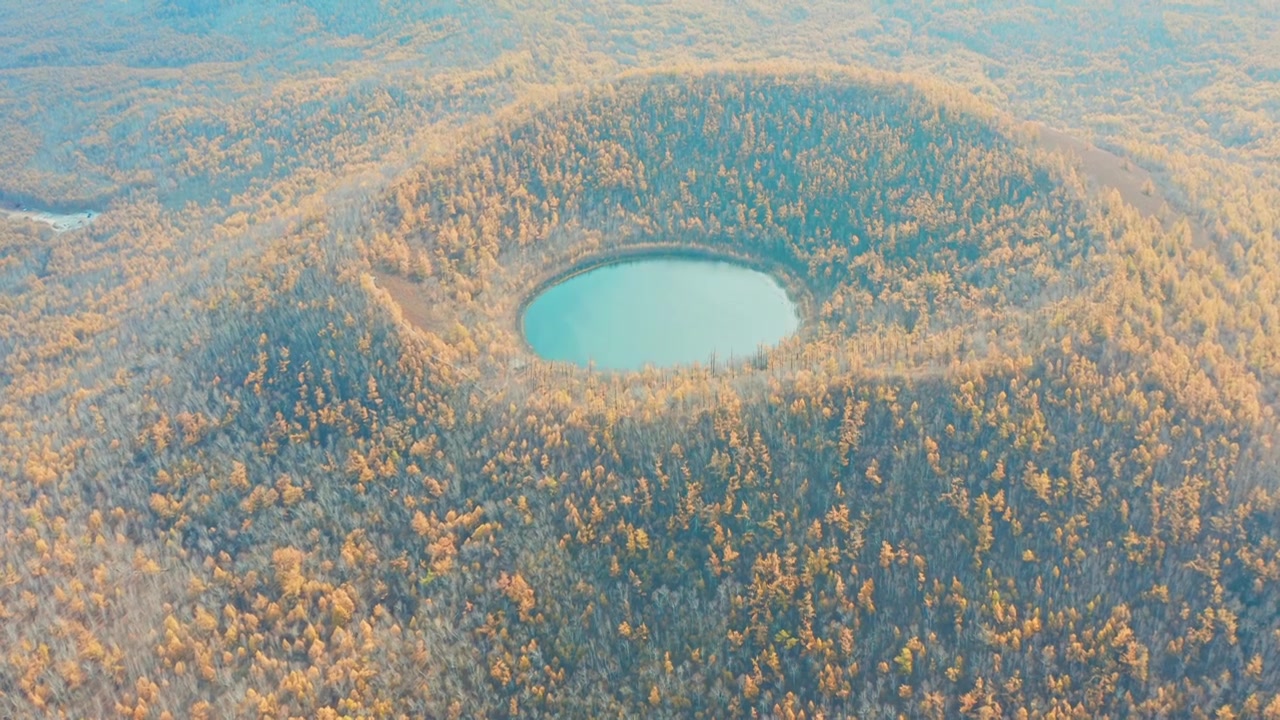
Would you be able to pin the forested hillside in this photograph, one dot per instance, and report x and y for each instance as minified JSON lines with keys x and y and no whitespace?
{"x":271,"y":443}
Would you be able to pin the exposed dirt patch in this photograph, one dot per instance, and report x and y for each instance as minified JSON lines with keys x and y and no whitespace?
{"x":411,"y":298}
{"x":60,"y":222}
{"x":1108,"y":170}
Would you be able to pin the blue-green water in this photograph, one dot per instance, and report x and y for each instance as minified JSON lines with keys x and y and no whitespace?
{"x":660,"y":312}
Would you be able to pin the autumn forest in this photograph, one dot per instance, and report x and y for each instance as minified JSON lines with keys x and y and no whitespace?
{"x":272,"y":443}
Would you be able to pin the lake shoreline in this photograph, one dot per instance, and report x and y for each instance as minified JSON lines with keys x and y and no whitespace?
{"x":797,"y":292}
{"x":660,"y":311}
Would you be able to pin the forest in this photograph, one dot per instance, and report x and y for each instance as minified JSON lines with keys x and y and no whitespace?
{"x":271,"y":444}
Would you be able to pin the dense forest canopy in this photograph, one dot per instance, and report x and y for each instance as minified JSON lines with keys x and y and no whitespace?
{"x":271,"y":445}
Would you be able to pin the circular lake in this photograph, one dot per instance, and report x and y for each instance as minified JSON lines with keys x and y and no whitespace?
{"x":661,"y":311}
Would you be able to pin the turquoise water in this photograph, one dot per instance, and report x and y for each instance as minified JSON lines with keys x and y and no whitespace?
{"x":660,"y":312}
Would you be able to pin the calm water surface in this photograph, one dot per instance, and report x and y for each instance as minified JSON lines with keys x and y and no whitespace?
{"x":663,"y":311}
